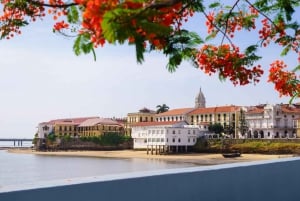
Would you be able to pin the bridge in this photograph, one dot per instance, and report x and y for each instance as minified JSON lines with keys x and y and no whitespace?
{"x":17,"y":141}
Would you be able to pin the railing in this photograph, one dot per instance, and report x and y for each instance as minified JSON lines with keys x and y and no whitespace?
{"x":275,"y":180}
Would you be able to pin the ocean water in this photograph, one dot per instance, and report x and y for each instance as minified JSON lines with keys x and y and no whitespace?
{"x":18,"y":169}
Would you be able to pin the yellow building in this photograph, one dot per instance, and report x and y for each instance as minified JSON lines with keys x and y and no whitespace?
{"x":99,"y":126}
{"x":296,"y":125}
{"x":68,"y":127}
{"x":224,"y":115}
{"x":143,"y":115}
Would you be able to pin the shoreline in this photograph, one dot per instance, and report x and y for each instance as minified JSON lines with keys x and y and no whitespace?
{"x":194,"y":158}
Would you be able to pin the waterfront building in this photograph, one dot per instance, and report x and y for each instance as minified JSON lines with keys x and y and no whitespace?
{"x":61,"y":127}
{"x":44,"y":129}
{"x":99,"y":126}
{"x":179,"y":114}
{"x":165,"y":136}
{"x":272,"y":121}
{"x":224,"y":115}
{"x":143,"y":115}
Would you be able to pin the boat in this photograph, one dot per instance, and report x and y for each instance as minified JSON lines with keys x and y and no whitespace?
{"x":231,"y":155}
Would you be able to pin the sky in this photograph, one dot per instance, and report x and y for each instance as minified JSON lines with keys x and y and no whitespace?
{"x":42,"y":79}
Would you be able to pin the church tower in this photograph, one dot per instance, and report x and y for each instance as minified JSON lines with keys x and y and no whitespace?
{"x":200,"y":100}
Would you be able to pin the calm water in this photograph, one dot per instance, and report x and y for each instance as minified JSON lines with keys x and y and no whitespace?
{"x":30,"y":168}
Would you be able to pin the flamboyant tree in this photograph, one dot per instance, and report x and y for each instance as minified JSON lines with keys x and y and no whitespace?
{"x":157,"y":25}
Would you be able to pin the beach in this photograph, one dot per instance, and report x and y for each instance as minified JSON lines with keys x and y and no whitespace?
{"x":195,"y":158}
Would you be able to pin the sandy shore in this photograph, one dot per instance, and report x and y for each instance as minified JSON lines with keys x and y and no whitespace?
{"x":195,"y":158}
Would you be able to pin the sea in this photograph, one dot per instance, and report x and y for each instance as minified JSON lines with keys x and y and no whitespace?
{"x":22,"y":169}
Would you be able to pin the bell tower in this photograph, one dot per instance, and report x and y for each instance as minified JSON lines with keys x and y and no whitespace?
{"x":200,"y":100}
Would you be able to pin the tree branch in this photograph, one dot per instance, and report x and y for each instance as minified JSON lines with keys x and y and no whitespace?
{"x":38,"y":3}
{"x":162,"y":4}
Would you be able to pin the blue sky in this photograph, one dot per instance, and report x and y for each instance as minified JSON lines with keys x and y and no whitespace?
{"x":42,"y":79}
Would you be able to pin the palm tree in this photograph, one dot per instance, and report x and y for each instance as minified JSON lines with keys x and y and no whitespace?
{"x":162,"y":108}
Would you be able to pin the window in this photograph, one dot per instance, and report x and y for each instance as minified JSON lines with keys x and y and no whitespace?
{"x":167,"y":139}
{"x":189,"y":132}
{"x":173,"y":131}
{"x":179,"y":140}
{"x":189,"y":140}
{"x":173,"y":140}
{"x":194,"y":139}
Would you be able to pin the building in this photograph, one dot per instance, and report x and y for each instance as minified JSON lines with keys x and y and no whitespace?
{"x":61,"y":127}
{"x":296,"y":124}
{"x":82,"y":126}
{"x":272,"y":121}
{"x":143,"y":115}
{"x":224,"y":115}
{"x":165,"y":136}
{"x":99,"y":126}
{"x":180,"y":114}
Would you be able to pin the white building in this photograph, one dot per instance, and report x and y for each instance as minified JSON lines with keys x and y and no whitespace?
{"x":272,"y":121}
{"x":44,"y":129}
{"x":165,"y":136}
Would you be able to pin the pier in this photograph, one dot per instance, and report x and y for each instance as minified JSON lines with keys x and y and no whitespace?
{"x":18,"y":142}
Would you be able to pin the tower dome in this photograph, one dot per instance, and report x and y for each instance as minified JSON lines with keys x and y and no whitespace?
{"x":200,"y":100}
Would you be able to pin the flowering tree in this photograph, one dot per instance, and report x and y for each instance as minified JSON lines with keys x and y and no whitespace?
{"x":157,"y":25}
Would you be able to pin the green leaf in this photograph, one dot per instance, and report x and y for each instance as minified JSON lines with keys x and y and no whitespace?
{"x":140,"y":49}
{"x":285,"y":50}
{"x":214,"y":5}
{"x":73,"y":14}
{"x":82,"y":44}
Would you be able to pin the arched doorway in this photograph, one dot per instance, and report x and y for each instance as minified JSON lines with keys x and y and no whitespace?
{"x":261,"y":133}
{"x":255,"y":134}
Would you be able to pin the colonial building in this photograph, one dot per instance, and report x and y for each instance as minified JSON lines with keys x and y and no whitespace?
{"x":272,"y":121}
{"x":224,"y":115}
{"x":180,"y":114}
{"x":61,"y":127}
{"x":99,"y":126}
{"x":76,"y":127}
{"x":165,"y":136}
{"x":143,"y":115}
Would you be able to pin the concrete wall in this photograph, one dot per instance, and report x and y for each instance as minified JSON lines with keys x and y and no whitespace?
{"x":276,"y":180}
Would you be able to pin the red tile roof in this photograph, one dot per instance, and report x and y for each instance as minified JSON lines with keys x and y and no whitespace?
{"x":95,"y":121}
{"x":288,"y":109}
{"x":255,"y":111}
{"x":218,"y":109}
{"x":70,"y":121}
{"x":179,"y":111}
{"x":156,"y":123}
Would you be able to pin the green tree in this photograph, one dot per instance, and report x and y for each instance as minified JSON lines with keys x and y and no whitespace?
{"x":158,"y":25}
{"x":162,"y":108}
{"x":216,"y":128}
